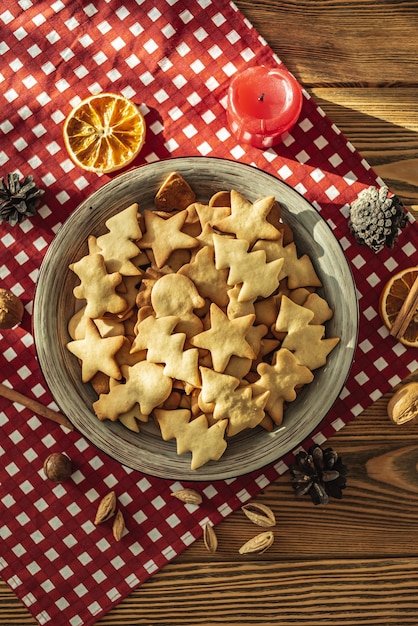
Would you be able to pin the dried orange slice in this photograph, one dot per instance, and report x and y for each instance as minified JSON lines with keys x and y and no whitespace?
{"x":104,"y":133}
{"x":393,"y":296}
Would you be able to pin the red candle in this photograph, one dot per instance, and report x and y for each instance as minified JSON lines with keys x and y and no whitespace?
{"x":263,"y":104}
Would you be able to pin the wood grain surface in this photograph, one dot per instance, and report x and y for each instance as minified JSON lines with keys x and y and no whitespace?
{"x":355,"y":561}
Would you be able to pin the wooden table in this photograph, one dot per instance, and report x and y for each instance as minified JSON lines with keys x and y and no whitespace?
{"x":354,"y":561}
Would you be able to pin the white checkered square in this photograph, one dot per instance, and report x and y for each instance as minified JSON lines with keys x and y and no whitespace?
{"x":118,"y":43}
{"x":66,"y":572}
{"x":20,"y":33}
{"x":6,"y":17}
{"x":104,"y":27}
{"x":168,"y":31}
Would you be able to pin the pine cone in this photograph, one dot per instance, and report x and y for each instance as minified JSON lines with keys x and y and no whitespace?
{"x":18,"y":200}
{"x":375,"y":220}
{"x":319,"y":473}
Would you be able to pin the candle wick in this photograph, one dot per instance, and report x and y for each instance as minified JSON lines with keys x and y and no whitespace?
{"x":261,"y":98}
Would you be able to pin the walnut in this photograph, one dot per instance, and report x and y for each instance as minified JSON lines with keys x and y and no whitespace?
{"x":403,"y":405}
{"x":11,"y":309}
{"x":57,"y":467}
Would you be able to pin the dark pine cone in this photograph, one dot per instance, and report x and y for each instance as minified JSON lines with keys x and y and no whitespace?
{"x":18,"y":199}
{"x":320,"y":473}
{"x":375,"y":219}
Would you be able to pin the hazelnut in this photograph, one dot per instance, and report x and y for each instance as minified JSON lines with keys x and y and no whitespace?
{"x":11,"y":309}
{"x":403,"y":405}
{"x":57,"y":467}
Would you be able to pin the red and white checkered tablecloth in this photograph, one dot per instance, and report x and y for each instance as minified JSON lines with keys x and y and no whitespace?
{"x":175,"y":59}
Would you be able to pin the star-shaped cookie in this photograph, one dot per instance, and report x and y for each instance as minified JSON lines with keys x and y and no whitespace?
{"x":165,"y":235}
{"x":225,"y":338}
{"x":97,"y":354}
{"x":210,"y":214}
{"x":248,"y":220}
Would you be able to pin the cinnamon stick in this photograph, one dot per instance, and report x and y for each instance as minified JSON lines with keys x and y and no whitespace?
{"x":406,"y":312}
{"x":35,"y":406}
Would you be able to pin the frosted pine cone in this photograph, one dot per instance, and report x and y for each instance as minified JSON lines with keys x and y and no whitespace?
{"x":375,"y":220}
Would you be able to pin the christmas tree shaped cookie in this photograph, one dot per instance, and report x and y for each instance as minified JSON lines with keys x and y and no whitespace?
{"x":155,"y":336}
{"x":206,"y":443}
{"x":304,"y":339}
{"x":250,"y":269}
{"x":281,"y":379}
{"x":237,"y":404}
{"x":117,"y":246}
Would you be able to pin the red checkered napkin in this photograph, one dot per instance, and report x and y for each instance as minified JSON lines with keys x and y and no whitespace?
{"x":174,"y":58}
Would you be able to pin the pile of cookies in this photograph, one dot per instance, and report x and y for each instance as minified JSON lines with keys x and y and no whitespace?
{"x":201,"y":317}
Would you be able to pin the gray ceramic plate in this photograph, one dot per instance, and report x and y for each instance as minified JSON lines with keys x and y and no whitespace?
{"x":146,"y":451}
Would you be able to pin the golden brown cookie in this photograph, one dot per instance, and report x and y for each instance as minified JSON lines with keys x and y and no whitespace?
{"x":210,"y":282}
{"x":176,"y":294}
{"x":206,"y":443}
{"x":117,"y":246}
{"x":248,"y":220}
{"x":225,"y":338}
{"x":304,"y":339}
{"x":97,"y":286}
{"x":256,"y":276}
{"x":96,"y":353}
{"x":238,"y":405}
{"x":281,"y":379}
{"x":174,"y":193}
{"x":145,"y":385}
